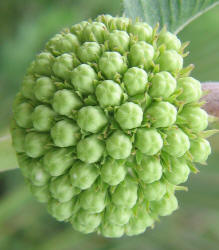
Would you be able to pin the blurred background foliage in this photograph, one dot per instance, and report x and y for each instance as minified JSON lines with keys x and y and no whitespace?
{"x":24,"y":223}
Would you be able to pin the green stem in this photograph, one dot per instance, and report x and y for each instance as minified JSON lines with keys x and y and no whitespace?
{"x":8,"y":159}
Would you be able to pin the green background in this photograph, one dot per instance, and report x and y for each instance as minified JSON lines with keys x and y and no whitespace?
{"x":24,"y":223}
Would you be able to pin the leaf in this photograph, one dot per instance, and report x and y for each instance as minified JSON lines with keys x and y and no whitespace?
{"x":175,"y":14}
{"x":8,"y":159}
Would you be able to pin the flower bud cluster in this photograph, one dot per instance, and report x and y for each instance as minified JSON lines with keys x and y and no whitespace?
{"x":107,"y":124}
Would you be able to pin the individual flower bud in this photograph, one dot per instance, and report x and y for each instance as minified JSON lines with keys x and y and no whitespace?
{"x":154,"y":191}
{"x":177,"y":142}
{"x":86,"y":222}
{"x":148,"y":141}
{"x":43,"y":118}
{"x":135,"y":80}
{"x":165,"y":206}
{"x":119,"y":23}
{"x":90,"y":149}
{"x":194,"y":117}
{"x":43,"y":64}
{"x":82,"y":79}
{"x":65,"y":101}
{"x":44,"y":89}
{"x":38,"y":176}
{"x":117,"y":215}
{"x":163,"y":84}
{"x":22,"y":115}
{"x":63,"y":65}
{"x":35,"y":144}
{"x":30,"y":69}
{"x":57,"y":160}
{"x":111,"y":64}
{"x":139,"y":221}
{"x":104,"y":19}
{"x":65,"y":133}
{"x":93,"y":200}
{"x":41,"y":193}
{"x":119,"y":41}
{"x":62,"y":43}
{"x":91,"y":119}
{"x":77,"y":29}
{"x":25,"y":163}
{"x":61,"y":188}
{"x":113,"y":172}
{"x":111,"y":230}
{"x":125,"y":194}
{"x":118,"y":145}
{"x":129,"y":115}
{"x":60,"y":210}
{"x":149,"y":169}
{"x":109,"y":93}
{"x":170,"y":61}
{"x":94,"y":32}
{"x":19,"y":99}
{"x":83,"y":175}
{"x":141,"y":54}
{"x":27,"y":87}
{"x":89,"y":52}
{"x":200,"y":150}
{"x":170,"y":40}
{"x":18,"y":135}
{"x":179,"y":171}
{"x":161,"y":114}
{"x":142,"y":31}
{"x":191,"y":89}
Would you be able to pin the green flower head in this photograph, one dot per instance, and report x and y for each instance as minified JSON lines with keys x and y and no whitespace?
{"x":107,"y":124}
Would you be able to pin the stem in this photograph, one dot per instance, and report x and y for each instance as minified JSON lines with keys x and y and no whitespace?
{"x":211,"y":98}
{"x":7,"y":154}
{"x":4,"y":138}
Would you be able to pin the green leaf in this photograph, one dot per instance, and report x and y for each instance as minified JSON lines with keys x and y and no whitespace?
{"x":175,"y":14}
{"x":8,"y":159}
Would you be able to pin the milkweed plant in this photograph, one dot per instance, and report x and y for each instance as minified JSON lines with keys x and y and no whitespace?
{"x":108,"y":123}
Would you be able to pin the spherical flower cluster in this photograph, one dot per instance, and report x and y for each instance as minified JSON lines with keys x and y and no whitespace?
{"x":107,"y":124}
